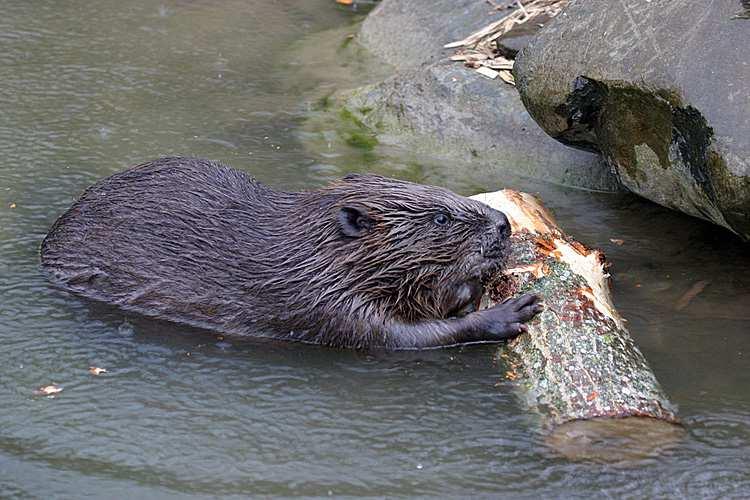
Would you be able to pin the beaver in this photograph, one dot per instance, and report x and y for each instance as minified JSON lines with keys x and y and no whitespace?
{"x":365,"y":262}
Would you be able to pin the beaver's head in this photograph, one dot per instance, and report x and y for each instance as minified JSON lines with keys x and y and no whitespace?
{"x":411,"y":251}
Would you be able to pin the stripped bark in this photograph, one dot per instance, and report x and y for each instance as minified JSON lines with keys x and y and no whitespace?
{"x":578,"y":362}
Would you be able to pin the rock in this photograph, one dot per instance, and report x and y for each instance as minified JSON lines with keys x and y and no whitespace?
{"x":442,"y":108}
{"x":661,"y":94}
{"x":521,"y":35}
{"x":454,"y":112}
{"x":408,"y":34}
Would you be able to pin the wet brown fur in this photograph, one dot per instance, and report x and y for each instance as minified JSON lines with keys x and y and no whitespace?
{"x":358,"y":263}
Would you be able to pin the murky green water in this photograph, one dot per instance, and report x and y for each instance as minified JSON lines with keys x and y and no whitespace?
{"x":87,"y":89}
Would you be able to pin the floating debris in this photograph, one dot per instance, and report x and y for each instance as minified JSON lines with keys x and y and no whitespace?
{"x":688,"y":296}
{"x":95,"y":370}
{"x":48,"y":390}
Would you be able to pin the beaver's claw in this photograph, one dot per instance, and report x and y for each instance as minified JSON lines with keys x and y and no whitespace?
{"x":506,"y":320}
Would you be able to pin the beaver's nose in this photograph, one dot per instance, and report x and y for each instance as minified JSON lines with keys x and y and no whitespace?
{"x":501,"y":223}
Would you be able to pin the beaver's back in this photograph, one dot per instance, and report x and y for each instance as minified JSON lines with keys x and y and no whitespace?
{"x":166,"y":238}
{"x":366,"y":261}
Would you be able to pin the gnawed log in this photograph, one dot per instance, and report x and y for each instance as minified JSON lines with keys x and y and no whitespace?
{"x":577,"y":365}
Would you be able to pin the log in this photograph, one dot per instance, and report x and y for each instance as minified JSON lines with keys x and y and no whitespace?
{"x":577,"y":366}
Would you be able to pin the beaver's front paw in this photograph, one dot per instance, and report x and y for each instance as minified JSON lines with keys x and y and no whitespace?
{"x":507,"y":319}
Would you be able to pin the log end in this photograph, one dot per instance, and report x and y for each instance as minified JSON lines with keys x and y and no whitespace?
{"x":615,"y":440}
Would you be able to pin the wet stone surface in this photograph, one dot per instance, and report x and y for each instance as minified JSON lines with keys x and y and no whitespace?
{"x":625,"y":81}
{"x":441,"y":108}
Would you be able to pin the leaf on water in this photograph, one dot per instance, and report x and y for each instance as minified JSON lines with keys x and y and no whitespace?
{"x":48,"y":390}
{"x":95,"y":370}
{"x":688,"y":296}
{"x":617,"y":241}
{"x":12,"y":205}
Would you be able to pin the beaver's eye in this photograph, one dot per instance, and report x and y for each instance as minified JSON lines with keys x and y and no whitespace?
{"x":441,"y":219}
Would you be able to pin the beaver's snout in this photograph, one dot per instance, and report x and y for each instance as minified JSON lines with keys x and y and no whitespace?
{"x":501,"y":223}
{"x":494,"y":244}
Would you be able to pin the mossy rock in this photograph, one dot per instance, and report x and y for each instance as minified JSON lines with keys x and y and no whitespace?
{"x":665,"y":99}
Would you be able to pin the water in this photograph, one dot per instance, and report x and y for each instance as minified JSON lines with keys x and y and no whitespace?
{"x":88,"y":89}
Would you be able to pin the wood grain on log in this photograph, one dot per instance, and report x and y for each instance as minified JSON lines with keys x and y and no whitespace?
{"x":578,"y":365}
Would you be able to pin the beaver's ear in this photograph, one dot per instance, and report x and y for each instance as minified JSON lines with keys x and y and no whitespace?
{"x":354,"y":221}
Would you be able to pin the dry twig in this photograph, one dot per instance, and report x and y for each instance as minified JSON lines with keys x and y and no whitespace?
{"x":479,"y":50}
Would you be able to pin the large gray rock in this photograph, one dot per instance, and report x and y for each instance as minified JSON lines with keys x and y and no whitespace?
{"x":442,"y":108}
{"x":661,"y":89}
{"x":447,"y":110}
{"x":409,"y":33}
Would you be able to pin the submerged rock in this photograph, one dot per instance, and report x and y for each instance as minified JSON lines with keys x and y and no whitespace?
{"x":661,"y":94}
{"x":440,"y":107}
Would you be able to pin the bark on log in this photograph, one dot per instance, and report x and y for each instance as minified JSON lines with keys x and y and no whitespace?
{"x":577,"y":365}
